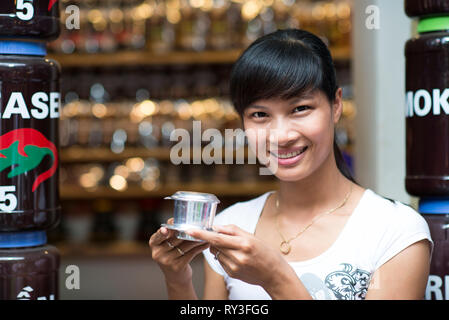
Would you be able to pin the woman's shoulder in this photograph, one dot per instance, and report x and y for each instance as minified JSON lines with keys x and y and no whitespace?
{"x":392,"y":214}
{"x":242,"y":213}
{"x":390,"y":227}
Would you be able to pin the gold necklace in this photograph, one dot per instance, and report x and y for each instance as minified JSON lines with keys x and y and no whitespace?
{"x":285,"y":246}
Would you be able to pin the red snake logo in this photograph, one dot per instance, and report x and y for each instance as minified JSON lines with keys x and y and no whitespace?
{"x":51,"y":4}
{"x":23,"y":150}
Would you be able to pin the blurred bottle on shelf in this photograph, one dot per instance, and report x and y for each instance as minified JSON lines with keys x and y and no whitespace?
{"x":160,"y":31}
{"x":127,"y":220}
{"x":149,"y":221}
{"x":59,"y":233}
{"x":164,"y":26}
{"x":219,"y":37}
{"x":78,"y":222}
{"x":185,"y":29}
{"x":149,"y":122}
{"x":104,"y":229}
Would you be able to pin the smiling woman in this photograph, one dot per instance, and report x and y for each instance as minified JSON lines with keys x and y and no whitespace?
{"x":295,"y":74}
{"x":309,"y":239}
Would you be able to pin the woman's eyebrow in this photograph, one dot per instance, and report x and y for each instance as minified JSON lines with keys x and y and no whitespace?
{"x":296,"y":100}
{"x":304,"y":97}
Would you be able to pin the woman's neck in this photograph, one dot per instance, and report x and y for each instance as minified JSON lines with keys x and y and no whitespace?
{"x":322,"y":190}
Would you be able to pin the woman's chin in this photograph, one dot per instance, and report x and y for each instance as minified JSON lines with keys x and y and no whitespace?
{"x":289,"y":173}
{"x":288,"y":176}
{"x":292,"y":172}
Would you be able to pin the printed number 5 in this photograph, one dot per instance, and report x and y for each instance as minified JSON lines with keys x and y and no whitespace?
{"x":7,"y":197}
{"x":25,"y":9}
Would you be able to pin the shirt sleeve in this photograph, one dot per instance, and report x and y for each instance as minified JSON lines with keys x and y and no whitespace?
{"x":405,"y":227}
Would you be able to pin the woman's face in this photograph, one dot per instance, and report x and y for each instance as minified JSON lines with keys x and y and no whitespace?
{"x":297,"y":134}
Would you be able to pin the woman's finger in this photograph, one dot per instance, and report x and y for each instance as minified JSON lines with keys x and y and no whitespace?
{"x":230,"y":229}
{"x":222,"y":252}
{"x":175,"y":241}
{"x":162,"y":234}
{"x":226,"y":262}
{"x":215,"y":239}
{"x":215,"y":250}
{"x":193,"y":252}
{"x":159,"y":236}
{"x":180,"y":246}
{"x":170,"y":255}
{"x":170,"y":221}
{"x":186,"y":246}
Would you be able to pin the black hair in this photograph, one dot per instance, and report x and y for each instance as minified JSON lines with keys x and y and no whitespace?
{"x":285,"y":64}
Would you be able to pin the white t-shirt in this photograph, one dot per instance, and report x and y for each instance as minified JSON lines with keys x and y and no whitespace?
{"x":376,"y":231}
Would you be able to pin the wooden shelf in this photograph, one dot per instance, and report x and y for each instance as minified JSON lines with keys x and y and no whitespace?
{"x":132,"y":58}
{"x":136,"y":58}
{"x":109,"y":249}
{"x":80,"y":154}
{"x":223,"y":189}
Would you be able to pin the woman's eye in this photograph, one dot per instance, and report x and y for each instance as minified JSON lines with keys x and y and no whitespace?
{"x":258,"y":114}
{"x":261,"y":114}
{"x":301,"y":108}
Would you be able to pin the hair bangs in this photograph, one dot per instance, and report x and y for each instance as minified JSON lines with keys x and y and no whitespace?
{"x":284,"y":69}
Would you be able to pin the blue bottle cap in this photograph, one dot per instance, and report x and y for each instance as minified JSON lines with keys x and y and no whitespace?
{"x":22,"y":239}
{"x":434,"y":205}
{"x":23,"y":48}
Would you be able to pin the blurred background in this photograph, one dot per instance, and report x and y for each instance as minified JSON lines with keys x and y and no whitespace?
{"x":137,"y":69}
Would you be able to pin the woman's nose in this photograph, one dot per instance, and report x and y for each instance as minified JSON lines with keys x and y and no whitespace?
{"x":282,"y":133}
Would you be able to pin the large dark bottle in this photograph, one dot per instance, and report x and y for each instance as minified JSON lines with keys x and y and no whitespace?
{"x":427,"y":130}
{"x":420,"y":8}
{"x":427,"y":100}
{"x":436,"y":212}
{"x":28,"y":267}
{"x":29,"y":137}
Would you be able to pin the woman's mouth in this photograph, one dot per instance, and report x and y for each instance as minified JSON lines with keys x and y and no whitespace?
{"x":289,"y":158}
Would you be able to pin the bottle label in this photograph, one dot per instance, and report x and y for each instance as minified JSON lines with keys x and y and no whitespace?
{"x":27,"y":293}
{"x":43,"y":106}
{"x":8,"y":198}
{"x":437,"y":287}
{"x":26,"y":10}
{"x":422,"y":103}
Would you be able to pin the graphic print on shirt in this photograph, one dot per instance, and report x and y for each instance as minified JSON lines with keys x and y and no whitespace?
{"x":348,"y":284}
{"x":315,"y":286}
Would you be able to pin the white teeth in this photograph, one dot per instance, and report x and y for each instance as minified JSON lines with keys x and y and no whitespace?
{"x":289,"y":155}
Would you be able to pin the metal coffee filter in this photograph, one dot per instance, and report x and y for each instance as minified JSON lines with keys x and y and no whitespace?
{"x":192,"y":210}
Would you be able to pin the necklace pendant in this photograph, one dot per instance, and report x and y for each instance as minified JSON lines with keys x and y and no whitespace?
{"x":285,"y":247}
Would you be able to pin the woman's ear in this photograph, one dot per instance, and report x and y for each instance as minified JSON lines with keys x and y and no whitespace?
{"x":337,"y":107}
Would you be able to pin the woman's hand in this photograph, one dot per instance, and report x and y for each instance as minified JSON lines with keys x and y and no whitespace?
{"x":174,"y":255}
{"x":243,"y":256}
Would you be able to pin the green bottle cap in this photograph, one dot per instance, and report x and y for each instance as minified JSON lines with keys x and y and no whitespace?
{"x":433,"y":24}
